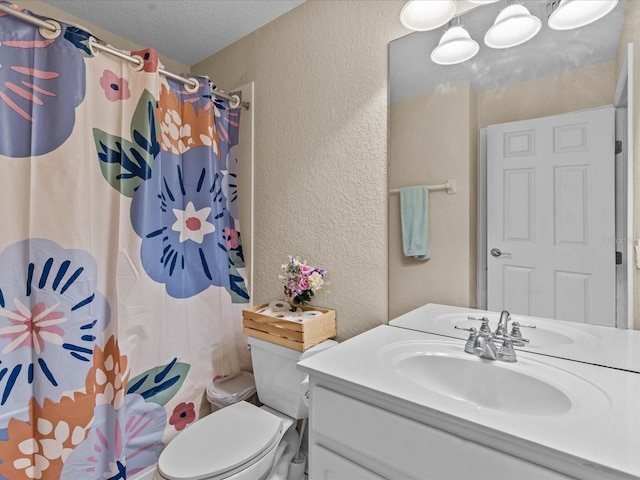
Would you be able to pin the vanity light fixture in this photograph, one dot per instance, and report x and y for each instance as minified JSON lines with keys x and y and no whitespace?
{"x":513,"y":26}
{"x":423,"y":15}
{"x":455,"y":46}
{"x":569,"y":14}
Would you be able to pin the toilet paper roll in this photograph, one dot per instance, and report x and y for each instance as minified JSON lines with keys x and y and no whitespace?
{"x":311,"y":313}
{"x":279,"y":306}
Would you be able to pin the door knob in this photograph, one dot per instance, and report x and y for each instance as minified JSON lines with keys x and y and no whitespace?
{"x":496,"y":252}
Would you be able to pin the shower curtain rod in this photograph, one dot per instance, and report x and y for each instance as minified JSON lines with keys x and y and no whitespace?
{"x":191,"y":84}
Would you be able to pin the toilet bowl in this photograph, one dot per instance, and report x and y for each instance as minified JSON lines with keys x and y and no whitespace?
{"x":242,"y":441}
{"x":237,"y":442}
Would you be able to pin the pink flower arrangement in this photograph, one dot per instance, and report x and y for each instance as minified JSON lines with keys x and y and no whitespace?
{"x":301,"y":281}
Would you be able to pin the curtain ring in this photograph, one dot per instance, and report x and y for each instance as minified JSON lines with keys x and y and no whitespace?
{"x":192,"y":86}
{"x":234,"y":102}
{"x":51,"y":34}
{"x":91,"y":42}
{"x":140,"y":65}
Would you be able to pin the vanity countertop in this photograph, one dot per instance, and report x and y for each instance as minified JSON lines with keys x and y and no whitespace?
{"x":594,"y":344}
{"x":601,"y":440}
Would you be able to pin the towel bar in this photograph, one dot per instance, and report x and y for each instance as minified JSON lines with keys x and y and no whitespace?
{"x":450,"y":186}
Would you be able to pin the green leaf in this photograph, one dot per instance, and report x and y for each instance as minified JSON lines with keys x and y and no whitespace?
{"x":237,"y":288}
{"x":124,"y":163}
{"x":160,"y":384}
{"x":119,"y":162}
{"x":143,"y":127}
{"x":235,"y":257}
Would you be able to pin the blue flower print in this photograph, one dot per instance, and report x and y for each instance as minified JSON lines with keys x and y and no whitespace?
{"x":180,"y":214}
{"x":42,"y":81}
{"x":121,"y":443}
{"x":51,"y":317}
{"x":230,"y":182}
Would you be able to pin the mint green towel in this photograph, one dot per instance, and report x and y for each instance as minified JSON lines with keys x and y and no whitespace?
{"x":414,"y":209}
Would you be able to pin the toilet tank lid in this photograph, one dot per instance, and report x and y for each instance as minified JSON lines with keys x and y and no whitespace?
{"x":289,"y":352}
{"x":220,"y":442}
{"x":318,"y":348}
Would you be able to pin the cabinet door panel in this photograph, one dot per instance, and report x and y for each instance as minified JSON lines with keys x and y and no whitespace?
{"x":385,"y":441}
{"x":328,"y":465}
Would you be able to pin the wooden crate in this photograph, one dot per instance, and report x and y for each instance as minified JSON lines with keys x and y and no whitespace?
{"x":290,"y":333}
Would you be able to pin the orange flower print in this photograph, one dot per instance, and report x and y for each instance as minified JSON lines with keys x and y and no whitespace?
{"x":109,"y":374}
{"x":182,"y":125}
{"x":38,"y":448}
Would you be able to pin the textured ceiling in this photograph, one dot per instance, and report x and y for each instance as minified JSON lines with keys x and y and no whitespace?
{"x":186,"y":31}
{"x":412,"y":72}
{"x":189,"y":31}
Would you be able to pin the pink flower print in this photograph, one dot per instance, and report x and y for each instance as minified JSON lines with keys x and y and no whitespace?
{"x":182,"y":416}
{"x":36,"y":93}
{"x":32,"y":328}
{"x":115,"y":88}
{"x":149,"y":58}
{"x":231,"y":238}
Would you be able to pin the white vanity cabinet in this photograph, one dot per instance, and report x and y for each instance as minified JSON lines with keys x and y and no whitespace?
{"x":351,"y":439}
{"x":372,"y":417}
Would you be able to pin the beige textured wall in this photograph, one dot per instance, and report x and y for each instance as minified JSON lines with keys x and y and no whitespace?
{"x":320,"y":74}
{"x":569,"y":91}
{"x":432,"y":139}
{"x":44,"y":9}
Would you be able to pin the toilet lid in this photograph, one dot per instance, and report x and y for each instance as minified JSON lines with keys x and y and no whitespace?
{"x":220,"y":442}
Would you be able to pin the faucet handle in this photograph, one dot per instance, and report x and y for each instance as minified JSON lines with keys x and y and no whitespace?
{"x":515,"y":331}
{"x":515,"y":323}
{"x":506,"y":353}
{"x":484,"y":328}
{"x":468,"y":347}
{"x":513,"y":340}
{"x":471,"y":329}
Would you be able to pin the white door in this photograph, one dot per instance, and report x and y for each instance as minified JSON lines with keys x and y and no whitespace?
{"x":550,"y":217}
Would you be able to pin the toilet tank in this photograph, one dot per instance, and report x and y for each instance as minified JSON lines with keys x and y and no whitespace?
{"x":278,"y":381}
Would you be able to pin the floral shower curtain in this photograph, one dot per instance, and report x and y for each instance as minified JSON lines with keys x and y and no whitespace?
{"x":121,"y":266}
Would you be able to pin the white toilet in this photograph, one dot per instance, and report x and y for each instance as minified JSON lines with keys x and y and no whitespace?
{"x":242,"y":441}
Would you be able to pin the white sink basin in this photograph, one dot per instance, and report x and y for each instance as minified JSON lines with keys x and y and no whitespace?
{"x":527,"y":387}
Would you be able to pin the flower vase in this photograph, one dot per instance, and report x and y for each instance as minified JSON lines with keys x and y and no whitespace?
{"x":295,"y":307}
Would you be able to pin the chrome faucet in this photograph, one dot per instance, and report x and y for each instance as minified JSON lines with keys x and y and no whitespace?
{"x":481,"y":343}
{"x":484,"y":346}
{"x":503,"y":324}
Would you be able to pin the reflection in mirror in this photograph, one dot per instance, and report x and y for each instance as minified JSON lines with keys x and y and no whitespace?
{"x":441,"y":120}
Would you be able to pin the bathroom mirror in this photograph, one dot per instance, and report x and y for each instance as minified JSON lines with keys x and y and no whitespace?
{"x":437,"y":122}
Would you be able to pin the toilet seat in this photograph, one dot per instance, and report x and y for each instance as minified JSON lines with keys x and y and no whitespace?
{"x":221,"y":444}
